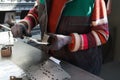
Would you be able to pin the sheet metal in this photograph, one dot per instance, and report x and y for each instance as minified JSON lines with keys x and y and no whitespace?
{"x":28,"y":57}
{"x":47,"y":70}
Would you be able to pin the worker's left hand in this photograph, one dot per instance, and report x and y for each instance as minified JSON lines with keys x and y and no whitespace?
{"x":58,"y":41}
{"x":20,"y":30}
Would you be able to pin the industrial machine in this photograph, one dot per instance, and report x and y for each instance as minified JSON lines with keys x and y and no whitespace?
{"x":46,"y":70}
{"x":30,"y":63}
{"x":24,"y":62}
{"x":14,"y":9}
{"x":11,"y":11}
{"x":27,"y":63}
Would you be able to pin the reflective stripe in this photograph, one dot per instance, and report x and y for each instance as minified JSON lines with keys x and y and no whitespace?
{"x":77,"y":42}
{"x":98,"y":42}
{"x":100,"y":21}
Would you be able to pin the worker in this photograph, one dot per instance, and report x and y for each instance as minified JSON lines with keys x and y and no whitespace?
{"x":77,"y":29}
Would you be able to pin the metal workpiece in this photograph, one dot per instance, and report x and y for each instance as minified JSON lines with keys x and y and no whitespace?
{"x":25,"y":55}
{"x":37,"y":65}
{"x":47,"y":70}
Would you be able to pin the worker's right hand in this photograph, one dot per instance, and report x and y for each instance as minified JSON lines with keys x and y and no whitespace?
{"x":20,"y":30}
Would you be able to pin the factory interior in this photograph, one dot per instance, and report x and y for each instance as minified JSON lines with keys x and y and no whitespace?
{"x":28,"y":62}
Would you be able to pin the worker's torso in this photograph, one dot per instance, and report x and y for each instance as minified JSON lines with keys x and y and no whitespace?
{"x":69,"y":17}
{"x":75,"y":17}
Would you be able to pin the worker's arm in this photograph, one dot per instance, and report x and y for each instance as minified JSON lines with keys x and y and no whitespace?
{"x":24,"y":26}
{"x":31,"y":19}
{"x":99,"y":33}
{"x":97,"y":36}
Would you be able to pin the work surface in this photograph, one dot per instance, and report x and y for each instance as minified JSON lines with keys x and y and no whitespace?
{"x":25,"y":55}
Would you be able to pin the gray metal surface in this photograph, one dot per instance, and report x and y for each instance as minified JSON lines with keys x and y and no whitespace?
{"x":47,"y":70}
{"x":16,"y":6}
{"x":25,"y":56}
{"x":78,"y":73}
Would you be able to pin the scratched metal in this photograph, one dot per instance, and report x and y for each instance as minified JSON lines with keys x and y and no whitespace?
{"x":47,"y":70}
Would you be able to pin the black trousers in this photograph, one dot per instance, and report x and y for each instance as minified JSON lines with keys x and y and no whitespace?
{"x":89,"y":60}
